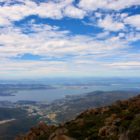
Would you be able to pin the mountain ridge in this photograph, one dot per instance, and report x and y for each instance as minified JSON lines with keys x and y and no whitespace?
{"x":119,"y":121}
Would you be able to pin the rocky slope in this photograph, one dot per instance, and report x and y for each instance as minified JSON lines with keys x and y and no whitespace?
{"x":119,"y":121}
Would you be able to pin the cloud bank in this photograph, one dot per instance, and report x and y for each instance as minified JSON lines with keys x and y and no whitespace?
{"x":41,"y":48}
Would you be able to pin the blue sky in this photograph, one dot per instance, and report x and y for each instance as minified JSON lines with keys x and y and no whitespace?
{"x":70,"y":38}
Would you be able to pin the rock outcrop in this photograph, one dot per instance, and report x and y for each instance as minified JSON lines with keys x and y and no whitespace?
{"x":119,"y":121}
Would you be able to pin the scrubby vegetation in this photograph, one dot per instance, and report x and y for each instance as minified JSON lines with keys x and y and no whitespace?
{"x":120,"y":121}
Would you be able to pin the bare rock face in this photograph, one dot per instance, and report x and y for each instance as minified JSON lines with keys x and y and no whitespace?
{"x":109,"y":120}
{"x":62,"y":137}
{"x":107,"y":131}
{"x":60,"y":134}
{"x":124,"y":136}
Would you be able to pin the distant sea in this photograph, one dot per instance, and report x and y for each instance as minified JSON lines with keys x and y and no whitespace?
{"x":49,"y":95}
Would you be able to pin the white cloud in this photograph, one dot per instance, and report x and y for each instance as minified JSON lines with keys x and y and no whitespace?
{"x":74,"y":12}
{"x":57,"y":10}
{"x":110,"y":25}
{"x":53,"y":10}
{"x":4,"y":21}
{"x":49,"y":42}
{"x":125,"y":65}
{"x":92,"y":5}
{"x":18,"y":12}
{"x":133,"y":21}
{"x":61,"y":51}
{"x":103,"y":35}
{"x":122,"y":4}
